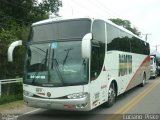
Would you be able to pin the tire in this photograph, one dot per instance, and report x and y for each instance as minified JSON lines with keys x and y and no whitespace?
{"x":143,"y":81}
{"x":155,"y":75}
{"x":111,"y":95}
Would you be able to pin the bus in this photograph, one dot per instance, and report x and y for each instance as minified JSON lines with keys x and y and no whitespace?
{"x":80,"y":63}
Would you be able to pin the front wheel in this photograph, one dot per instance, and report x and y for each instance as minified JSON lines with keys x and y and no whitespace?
{"x":111,"y":95}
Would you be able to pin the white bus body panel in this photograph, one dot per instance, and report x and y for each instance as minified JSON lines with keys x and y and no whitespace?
{"x":110,"y":71}
{"x":140,"y":64}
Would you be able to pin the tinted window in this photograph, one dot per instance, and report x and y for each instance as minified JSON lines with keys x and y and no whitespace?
{"x":61,"y":30}
{"x":55,"y":64}
{"x":117,"y":39}
{"x":73,"y":29}
{"x":98,"y":48}
{"x":122,"y":41}
{"x":139,"y":46}
{"x":98,"y":30}
{"x":44,"y":32}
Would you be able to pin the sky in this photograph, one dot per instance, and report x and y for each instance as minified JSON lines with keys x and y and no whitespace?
{"x":143,"y":14}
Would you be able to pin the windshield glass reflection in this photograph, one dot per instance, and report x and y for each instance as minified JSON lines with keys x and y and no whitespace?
{"x":56,"y":64}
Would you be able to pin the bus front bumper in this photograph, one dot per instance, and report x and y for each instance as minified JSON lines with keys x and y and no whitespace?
{"x":81,"y":104}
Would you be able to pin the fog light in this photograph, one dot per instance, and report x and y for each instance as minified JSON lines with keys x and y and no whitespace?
{"x":81,"y":105}
{"x":78,"y":95}
{"x":26,"y":93}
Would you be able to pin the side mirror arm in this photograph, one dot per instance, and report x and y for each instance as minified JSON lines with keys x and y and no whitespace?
{"x":11,"y":48}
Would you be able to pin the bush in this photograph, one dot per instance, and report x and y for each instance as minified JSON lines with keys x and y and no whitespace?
{"x":11,"y":98}
{"x":11,"y":92}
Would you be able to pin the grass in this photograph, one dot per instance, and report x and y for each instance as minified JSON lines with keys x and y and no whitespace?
{"x":11,"y":98}
{"x":12,"y":107}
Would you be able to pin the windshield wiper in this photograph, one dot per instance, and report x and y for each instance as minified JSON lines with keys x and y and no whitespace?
{"x":65,"y":59}
{"x":56,"y":67}
{"x":40,"y":66}
{"x":39,"y":49}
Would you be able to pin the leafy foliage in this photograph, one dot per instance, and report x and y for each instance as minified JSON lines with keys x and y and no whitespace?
{"x":11,"y":98}
{"x":126,"y":24}
{"x":15,"y":20}
{"x":25,"y":12}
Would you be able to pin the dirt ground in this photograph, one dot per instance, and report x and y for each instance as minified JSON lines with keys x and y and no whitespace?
{"x":17,"y":107}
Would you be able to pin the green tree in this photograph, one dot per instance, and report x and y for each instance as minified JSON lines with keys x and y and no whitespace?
{"x":126,"y":24}
{"x":25,"y":12}
{"x":6,"y":37}
{"x":16,"y":16}
{"x":15,"y":20}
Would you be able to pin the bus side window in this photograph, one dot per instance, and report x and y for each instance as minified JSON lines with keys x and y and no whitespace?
{"x":98,"y":48}
{"x":95,"y":62}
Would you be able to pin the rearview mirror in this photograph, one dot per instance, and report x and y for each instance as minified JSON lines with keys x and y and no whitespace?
{"x":86,"y":45}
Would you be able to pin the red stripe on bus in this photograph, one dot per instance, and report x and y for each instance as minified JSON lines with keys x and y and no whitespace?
{"x":138,"y":72}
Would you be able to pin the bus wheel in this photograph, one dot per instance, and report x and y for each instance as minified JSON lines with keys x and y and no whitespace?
{"x":144,"y":80}
{"x":111,"y":95}
{"x":156,"y":73}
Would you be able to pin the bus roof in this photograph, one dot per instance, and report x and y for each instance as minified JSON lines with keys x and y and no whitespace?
{"x":57,"y":19}
{"x":92,"y":18}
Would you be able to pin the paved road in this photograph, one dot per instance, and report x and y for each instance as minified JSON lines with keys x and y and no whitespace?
{"x":140,"y":100}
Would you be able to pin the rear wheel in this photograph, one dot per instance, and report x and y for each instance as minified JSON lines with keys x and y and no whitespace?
{"x":144,"y":80}
{"x":111,"y":95}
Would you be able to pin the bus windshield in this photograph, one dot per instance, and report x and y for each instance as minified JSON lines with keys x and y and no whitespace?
{"x":53,"y":56}
{"x":55,"y":64}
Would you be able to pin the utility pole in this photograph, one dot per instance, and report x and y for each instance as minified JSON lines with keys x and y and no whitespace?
{"x":146,"y":35}
{"x":156,"y":47}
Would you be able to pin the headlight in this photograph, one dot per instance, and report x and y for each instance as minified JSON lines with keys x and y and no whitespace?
{"x":26,"y":93}
{"x":78,"y":95}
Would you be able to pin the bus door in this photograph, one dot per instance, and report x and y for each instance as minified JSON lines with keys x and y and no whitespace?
{"x":98,"y":76}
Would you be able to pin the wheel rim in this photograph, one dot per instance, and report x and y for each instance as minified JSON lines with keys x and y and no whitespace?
{"x":144,"y":80}
{"x":111,"y":95}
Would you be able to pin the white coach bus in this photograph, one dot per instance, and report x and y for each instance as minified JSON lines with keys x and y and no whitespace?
{"x":81,"y":63}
